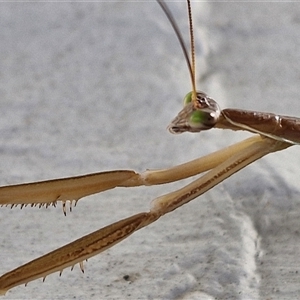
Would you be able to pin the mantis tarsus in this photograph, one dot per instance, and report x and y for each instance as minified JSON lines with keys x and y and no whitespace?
{"x":3,"y":280}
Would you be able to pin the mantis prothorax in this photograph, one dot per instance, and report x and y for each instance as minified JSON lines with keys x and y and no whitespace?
{"x":200,"y":112}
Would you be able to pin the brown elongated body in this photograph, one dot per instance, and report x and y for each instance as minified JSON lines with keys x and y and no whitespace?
{"x":279,"y":127}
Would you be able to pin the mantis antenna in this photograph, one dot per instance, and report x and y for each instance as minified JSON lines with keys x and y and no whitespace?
{"x":194,"y":95}
{"x":191,"y":66}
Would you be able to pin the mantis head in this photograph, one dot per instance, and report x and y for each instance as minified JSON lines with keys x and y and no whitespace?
{"x":201,"y":113}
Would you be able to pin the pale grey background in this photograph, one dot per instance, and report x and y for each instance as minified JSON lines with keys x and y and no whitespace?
{"x":92,"y":86}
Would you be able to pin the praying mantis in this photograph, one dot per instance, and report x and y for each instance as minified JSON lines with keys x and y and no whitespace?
{"x":99,"y":213}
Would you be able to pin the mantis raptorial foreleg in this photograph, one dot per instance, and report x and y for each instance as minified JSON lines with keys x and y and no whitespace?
{"x":51,"y":191}
{"x":222,"y":163}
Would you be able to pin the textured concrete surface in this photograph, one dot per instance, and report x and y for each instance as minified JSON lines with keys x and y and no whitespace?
{"x":87,"y":87}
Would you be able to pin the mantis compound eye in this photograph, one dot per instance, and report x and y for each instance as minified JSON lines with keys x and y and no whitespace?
{"x":197,"y":115}
{"x":202,"y":120}
{"x":187,"y":99}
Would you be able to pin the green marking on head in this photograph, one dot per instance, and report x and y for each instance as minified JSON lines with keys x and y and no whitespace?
{"x":198,"y":117}
{"x":188,"y":98}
